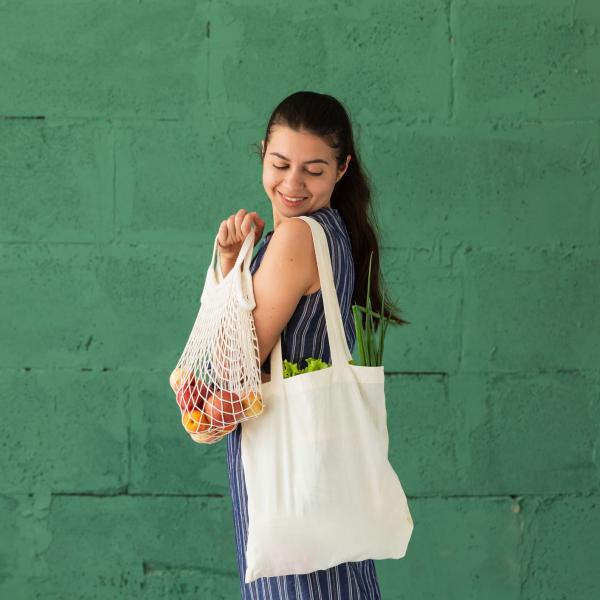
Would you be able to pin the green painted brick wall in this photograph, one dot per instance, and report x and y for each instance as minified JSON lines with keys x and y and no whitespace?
{"x":125,"y":138}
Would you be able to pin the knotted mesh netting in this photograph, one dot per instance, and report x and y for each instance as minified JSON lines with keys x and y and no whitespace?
{"x":217,"y":379}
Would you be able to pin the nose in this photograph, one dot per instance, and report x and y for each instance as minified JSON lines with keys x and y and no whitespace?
{"x":294,"y":181}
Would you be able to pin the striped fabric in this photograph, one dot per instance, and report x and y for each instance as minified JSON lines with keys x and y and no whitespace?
{"x":304,"y":336}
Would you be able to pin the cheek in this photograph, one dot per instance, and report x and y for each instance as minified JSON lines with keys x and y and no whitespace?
{"x":270,"y":178}
{"x":322,"y":185}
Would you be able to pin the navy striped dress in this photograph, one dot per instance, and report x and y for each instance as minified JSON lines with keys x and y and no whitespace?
{"x":304,"y":336}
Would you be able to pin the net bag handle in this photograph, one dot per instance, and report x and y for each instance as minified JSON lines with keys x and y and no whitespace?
{"x":243,"y":281}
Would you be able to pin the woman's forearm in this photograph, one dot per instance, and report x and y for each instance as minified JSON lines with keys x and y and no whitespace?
{"x":227,"y":264}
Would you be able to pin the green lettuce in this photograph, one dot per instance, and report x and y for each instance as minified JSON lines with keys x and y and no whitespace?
{"x":312,"y":364}
{"x":290,"y":369}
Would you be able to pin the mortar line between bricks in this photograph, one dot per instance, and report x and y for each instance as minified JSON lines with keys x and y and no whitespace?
{"x":123,"y":244}
{"x":114,"y":183}
{"x":516,"y":496}
{"x":558,"y":121}
{"x":573,"y":371}
{"x":573,"y":12}
{"x":208,"y":59}
{"x":419,"y":122}
{"x":452,"y":91}
{"x":135,"y":495}
{"x":160,"y":370}
{"x":461,"y":320}
{"x":20,"y":117}
{"x":129,"y":452}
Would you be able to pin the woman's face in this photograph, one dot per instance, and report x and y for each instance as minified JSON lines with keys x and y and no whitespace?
{"x":302,"y":166}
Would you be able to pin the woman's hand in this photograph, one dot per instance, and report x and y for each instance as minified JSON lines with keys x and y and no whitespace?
{"x":234,"y":230}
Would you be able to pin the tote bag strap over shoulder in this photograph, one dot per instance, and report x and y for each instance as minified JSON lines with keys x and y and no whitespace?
{"x":340,"y":353}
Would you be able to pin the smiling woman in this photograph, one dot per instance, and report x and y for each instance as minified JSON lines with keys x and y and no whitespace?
{"x":309,"y":168}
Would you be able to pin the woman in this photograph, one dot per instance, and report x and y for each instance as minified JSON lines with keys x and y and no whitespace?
{"x":310,"y":167}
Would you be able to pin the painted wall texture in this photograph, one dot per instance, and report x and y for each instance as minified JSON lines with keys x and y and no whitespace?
{"x":126,"y":136}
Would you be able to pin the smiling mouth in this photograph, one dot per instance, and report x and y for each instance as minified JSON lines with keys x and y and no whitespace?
{"x":292,"y":199}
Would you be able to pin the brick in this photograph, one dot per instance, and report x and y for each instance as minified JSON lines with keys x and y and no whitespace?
{"x":380,"y":32}
{"x":177,"y":182}
{"x":526,"y":60}
{"x":424,"y":428}
{"x":430,"y":297}
{"x":57,"y":182}
{"x":442,"y":187}
{"x":63,"y":430}
{"x":140,"y":547}
{"x":122,"y":60}
{"x":460,"y":548}
{"x":530,"y":309}
{"x":526,"y":433}
{"x":19,"y":528}
{"x":560,"y":550}
{"x":115,"y":306}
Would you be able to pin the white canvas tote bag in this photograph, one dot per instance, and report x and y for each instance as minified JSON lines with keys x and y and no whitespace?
{"x":321,"y":490}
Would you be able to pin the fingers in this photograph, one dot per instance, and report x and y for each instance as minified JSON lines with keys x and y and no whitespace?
{"x":227,"y":233}
{"x":260,"y":227}
{"x":241,"y":224}
{"x":239,"y":219}
{"x":223,"y":234}
{"x":234,"y":230}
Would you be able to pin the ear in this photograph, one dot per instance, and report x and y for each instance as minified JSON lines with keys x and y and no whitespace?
{"x":262,"y":146}
{"x":344,"y":168}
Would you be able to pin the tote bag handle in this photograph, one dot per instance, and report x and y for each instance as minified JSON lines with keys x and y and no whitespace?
{"x":340,"y":353}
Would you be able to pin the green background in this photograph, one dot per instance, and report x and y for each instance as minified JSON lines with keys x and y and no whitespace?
{"x":126,"y":137}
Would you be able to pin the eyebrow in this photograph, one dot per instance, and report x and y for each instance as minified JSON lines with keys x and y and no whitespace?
{"x":316,"y":160}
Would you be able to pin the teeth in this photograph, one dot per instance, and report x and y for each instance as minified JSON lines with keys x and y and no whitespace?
{"x":292,"y":199}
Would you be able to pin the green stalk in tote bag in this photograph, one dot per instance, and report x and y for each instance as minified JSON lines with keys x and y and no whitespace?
{"x":371,"y":354}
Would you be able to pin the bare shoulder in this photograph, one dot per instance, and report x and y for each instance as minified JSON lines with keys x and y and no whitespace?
{"x":296,"y":229}
{"x":292,"y":242}
{"x":293,"y":238}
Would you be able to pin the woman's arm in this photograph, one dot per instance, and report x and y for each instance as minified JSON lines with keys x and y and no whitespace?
{"x":287,"y":270}
{"x":227,"y":264}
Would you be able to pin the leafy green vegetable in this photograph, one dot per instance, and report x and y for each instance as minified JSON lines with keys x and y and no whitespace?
{"x":290,"y":369}
{"x":312,"y":364}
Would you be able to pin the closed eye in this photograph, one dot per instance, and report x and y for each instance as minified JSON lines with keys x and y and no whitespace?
{"x":309,"y":172}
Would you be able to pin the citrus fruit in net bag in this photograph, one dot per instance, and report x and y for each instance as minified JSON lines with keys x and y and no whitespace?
{"x":195,"y":421}
{"x":252,"y":404}
{"x":208,"y":437}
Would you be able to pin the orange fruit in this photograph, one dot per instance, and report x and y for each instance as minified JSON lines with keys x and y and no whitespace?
{"x":195,"y":421}
{"x":252,"y":404}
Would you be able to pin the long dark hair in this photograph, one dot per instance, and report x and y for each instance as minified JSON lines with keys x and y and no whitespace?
{"x":323,"y":115}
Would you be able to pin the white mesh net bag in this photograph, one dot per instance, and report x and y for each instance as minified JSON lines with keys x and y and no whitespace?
{"x":217,"y":378}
